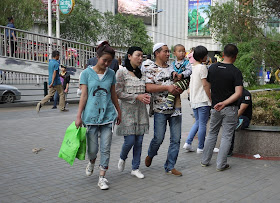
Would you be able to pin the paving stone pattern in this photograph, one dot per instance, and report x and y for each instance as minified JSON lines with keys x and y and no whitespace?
{"x":43,"y":177}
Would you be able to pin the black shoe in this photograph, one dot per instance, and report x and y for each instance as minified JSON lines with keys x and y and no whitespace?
{"x":64,"y":110}
{"x":54,"y":107}
{"x":229,"y":154}
{"x":227,"y":166}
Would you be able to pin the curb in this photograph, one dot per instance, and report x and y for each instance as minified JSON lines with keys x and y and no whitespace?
{"x":33,"y":103}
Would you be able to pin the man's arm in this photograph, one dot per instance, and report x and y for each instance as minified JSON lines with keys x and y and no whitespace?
{"x":53,"y":77}
{"x":14,"y":36}
{"x":242,"y":109}
{"x":161,"y":88}
{"x":231,"y":99}
{"x":67,"y":83}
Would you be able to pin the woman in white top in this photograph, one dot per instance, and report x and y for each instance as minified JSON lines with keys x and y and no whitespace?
{"x":200,"y":98}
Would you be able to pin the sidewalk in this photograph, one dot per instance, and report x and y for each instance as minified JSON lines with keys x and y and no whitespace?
{"x":43,"y":177}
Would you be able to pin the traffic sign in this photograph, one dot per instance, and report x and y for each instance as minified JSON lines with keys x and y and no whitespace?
{"x":66,"y":6}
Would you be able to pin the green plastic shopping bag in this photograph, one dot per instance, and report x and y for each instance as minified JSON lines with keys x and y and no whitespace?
{"x":81,"y":153}
{"x":71,"y":143}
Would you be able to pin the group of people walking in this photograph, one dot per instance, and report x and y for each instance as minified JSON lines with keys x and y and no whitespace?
{"x":109,"y":98}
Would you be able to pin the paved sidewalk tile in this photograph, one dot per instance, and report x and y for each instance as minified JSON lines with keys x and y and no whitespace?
{"x":43,"y":177}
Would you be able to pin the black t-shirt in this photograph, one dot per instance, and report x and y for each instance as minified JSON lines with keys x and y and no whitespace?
{"x":246,"y":99}
{"x":223,"y":79}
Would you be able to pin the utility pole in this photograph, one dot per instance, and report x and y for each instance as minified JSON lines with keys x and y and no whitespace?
{"x":50,"y":25}
{"x":57,"y":20}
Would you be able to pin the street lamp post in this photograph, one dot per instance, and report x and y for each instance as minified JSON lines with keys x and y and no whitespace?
{"x":154,"y":13}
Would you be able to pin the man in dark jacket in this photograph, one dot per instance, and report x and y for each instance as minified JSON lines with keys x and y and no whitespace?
{"x":244,"y":114}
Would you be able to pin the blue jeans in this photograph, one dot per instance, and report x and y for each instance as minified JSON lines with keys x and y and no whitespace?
{"x":136,"y":142}
{"x":55,"y":99}
{"x":105,"y":143}
{"x":160,"y":123}
{"x":201,"y":115}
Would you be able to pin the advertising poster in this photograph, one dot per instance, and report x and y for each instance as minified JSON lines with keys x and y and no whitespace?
{"x":197,"y":18}
{"x":139,"y":8}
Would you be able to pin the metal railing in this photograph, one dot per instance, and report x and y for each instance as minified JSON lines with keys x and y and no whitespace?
{"x":37,"y":47}
{"x":7,"y":77}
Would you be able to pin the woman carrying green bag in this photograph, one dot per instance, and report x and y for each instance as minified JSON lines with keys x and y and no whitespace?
{"x":97,"y":110}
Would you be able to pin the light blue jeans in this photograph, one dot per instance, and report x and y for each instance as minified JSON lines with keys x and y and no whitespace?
{"x":201,"y":115}
{"x":134,"y":141}
{"x":160,"y":123}
{"x":105,"y":143}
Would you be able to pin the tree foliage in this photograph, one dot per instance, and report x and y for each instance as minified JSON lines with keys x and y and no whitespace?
{"x":25,"y":12}
{"x":125,"y":31}
{"x":83,"y":24}
{"x":242,"y":23}
{"x":273,"y":6}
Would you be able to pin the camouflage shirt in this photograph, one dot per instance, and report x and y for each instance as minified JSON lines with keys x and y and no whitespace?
{"x":159,"y":76}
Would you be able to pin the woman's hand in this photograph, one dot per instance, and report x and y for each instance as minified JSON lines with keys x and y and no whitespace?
{"x":144,"y":98}
{"x":78,"y":122}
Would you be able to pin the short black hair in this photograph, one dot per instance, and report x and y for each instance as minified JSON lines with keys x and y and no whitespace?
{"x":10,"y":18}
{"x":55,"y":53}
{"x":199,"y":53}
{"x":230,"y":50}
{"x":149,"y":56}
{"x":178,"y":45}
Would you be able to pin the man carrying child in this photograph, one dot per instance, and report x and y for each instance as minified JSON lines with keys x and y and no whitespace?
{"x":158,"y":82}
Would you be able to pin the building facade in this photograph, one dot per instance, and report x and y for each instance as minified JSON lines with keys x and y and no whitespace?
{"x":171,"y":24}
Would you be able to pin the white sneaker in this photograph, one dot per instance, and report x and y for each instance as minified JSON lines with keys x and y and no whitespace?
{"x":188,"y":147}
{"x":121,"y":165}
{"x":89,"y":169}
{"x":137,"y":173}
{"x":199,"y":151}
{"x":216,"y":150}
{"x":102,"y":183}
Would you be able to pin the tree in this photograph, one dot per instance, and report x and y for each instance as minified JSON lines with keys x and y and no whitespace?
{"x":242,"y":22}
{"x":273,"y":6}
{"x":83,"y":24}
{"x":125,"y":31}
{"x":25,"y":12}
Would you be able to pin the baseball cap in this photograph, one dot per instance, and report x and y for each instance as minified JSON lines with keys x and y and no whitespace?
{"x":157,"y":46}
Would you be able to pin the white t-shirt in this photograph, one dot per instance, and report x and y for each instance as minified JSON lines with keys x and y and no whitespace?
{"x":198,"y":96}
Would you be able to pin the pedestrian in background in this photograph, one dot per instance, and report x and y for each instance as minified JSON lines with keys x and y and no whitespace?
{"x":130,"y":89}
{"x":200,"y":98}
{"x":65,"y":80}
{"x":93,"y":61}
{"x":11,"y":36}
{"x":54,"y":84}
{"x":97,"y":110}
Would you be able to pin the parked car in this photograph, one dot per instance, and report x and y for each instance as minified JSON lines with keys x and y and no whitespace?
{"x":9,"y":94}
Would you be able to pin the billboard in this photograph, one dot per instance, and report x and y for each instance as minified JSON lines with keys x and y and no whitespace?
{"x":139,"y":8}
{"x":197,"y":18}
